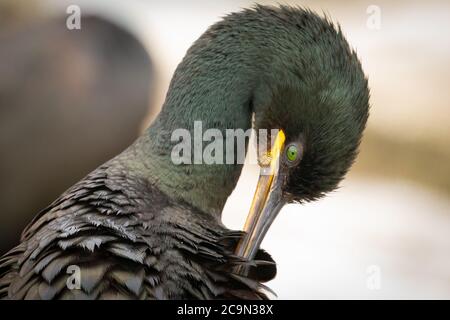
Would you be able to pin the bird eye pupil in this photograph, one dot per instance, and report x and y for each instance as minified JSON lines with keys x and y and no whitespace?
{"x":292,"y":153}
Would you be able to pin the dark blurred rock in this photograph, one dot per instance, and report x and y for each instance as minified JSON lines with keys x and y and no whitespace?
{"x":69,"y":100}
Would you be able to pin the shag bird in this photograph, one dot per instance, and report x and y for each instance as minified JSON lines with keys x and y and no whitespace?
{"x":141,"y":226}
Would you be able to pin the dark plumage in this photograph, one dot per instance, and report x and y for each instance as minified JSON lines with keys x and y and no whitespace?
{"x":141,"y":227}
{"x":129,"y":240}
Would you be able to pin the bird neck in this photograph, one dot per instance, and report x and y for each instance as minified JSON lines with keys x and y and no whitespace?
{"x":200,"y":97}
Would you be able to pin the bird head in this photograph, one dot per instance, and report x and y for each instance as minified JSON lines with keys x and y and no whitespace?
{"x":317,"y":97}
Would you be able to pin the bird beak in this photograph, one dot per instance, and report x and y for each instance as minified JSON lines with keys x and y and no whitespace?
{"x":267,"y":203}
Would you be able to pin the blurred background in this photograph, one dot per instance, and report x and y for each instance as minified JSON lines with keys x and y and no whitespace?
{"x":72,"y":99}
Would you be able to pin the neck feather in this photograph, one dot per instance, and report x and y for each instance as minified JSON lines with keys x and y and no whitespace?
{"x":201,"y":90}
{"x":227,"y":75}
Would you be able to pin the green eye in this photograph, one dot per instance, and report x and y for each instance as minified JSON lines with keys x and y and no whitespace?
{"x":292,"y":153}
